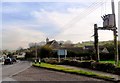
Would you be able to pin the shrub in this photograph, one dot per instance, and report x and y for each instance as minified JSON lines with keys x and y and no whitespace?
{"x":77,"y":63}
{"x":29,"y":55}
{"x":86,"y":64}
{"x":50,"y":60}
{"x":107,"y":67}
{"x":117,"y":70}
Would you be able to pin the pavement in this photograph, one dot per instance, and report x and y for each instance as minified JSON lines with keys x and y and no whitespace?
{"x":116,"y":77}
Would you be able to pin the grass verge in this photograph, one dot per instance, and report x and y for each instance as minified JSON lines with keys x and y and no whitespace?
{"x":73,"y":71}
{"x":109,"y":61}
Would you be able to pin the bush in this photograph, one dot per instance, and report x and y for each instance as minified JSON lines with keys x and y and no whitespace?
{"x":86,"y":64}
{"x":77,"y":63}
{"x":107,"y":56}
{"x":50,"y":60}
{"x":107,"y":67}
{"x":29,"y":55}
{"x":117,"y":70}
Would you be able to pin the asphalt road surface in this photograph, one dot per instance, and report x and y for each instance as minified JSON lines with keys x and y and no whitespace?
{"x":23,"y":71}
{"x":9,"y":70}
{"x":39,"y":74}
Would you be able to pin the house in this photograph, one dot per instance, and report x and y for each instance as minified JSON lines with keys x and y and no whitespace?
{"x":102,"y":49}
{"x":53,"y":44}
{"x":88,"y":47}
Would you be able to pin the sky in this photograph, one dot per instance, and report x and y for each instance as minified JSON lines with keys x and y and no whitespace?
{"x":25,"y":21}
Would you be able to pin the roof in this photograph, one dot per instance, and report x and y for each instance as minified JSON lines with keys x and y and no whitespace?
{"x":53,"y":44}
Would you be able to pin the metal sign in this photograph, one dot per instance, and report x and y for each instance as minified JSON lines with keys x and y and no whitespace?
{"x":105,"y":50}
{"x":62,"y":52}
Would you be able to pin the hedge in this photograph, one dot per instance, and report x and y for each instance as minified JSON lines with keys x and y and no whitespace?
{"x":105,"y":67}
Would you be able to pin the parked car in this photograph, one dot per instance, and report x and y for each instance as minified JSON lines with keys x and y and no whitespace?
{"x":14,"y":60}
{"x":8,"y":61}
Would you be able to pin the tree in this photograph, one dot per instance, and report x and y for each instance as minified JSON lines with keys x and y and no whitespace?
{"x":45,"y":51}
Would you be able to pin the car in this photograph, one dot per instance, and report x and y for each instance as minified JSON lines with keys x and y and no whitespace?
{"x":14,"y":60}
{"x":8,"y":61}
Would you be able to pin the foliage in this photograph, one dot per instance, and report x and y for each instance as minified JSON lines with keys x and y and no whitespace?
{"x":30,"y":55}
{"x":45,"y":51}
{"x":50,"y":60}
{"x":110,"y":61}
{"x":106,"y":67}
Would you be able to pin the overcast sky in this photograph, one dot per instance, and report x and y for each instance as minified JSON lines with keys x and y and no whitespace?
{"x":26,"y":21}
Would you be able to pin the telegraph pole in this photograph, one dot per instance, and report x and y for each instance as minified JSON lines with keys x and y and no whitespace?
{"x":96,"y":43}
{"x":115,"y":35}
{"x":36,"y":50}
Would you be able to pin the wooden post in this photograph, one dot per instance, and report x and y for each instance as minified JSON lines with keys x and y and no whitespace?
{"x":115,"y":36}
{"x":96,"y":43}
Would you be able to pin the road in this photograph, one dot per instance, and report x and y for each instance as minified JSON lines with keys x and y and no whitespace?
{"x":39,"y":74}
{"x":9,"y":70}
{"x":23,"y":71}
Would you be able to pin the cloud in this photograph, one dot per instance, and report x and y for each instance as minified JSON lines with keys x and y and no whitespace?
{"x":16,"y":36}
{"x":74,"y":24}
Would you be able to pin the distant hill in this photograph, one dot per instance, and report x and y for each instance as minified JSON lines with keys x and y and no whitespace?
{"x":91,"y":43}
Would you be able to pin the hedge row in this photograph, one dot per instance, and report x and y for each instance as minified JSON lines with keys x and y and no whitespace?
{"x":105,"y":67}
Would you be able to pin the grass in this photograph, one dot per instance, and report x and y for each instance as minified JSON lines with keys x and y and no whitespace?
{"x":70,"y":70}
{"x":110,"y":61}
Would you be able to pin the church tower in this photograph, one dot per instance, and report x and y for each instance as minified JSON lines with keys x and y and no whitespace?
{"x":47,"y":40}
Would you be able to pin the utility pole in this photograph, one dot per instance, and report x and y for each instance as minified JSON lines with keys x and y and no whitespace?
{"x":96,"y":43}
{"x":36,"y":50}
{"x":115,"y":35}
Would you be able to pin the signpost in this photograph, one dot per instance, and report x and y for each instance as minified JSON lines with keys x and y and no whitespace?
{"x":61,"y":52}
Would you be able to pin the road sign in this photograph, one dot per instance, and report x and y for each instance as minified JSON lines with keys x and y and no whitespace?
{"x":61,"y":52}
{"x":105,"y":50}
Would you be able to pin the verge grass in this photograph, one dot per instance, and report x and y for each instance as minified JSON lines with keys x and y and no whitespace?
{"x":110,"y":61}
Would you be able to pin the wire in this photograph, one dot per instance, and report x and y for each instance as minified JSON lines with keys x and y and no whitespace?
{"x":79,"y":17}
{"x":85,"y":13}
